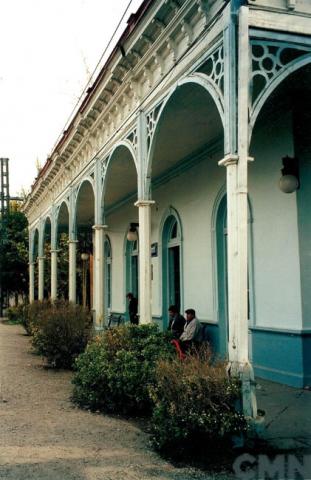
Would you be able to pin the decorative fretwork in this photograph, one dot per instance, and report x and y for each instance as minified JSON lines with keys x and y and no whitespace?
{"x":269,"y":60}
{"x":132,"y":138}
{"x":104,"y":164}
{"x":151,"y":119}
{"x":213,"y":68}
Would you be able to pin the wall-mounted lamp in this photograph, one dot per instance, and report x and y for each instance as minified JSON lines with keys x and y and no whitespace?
{"x":84,"y":257}
{"x":132,"y":233}
{"x":289,"y":181}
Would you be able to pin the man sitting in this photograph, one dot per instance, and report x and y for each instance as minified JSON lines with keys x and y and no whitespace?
{"x":192,"y":334}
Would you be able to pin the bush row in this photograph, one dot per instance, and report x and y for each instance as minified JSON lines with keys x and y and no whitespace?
{"x":134,"y":370}
{"x":60,"y":330}
{"x":117,"y":367}
{"x":16,"y":314}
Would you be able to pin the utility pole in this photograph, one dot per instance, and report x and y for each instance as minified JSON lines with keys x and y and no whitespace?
{"x":4,"y":210}
{"x":4,"y":187}
{"x":5,"y":200}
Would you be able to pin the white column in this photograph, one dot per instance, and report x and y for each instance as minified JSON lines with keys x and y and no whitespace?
{"x":54,"y":274}
{"x":241,"y":333}
{"x":237,"y":208}
{"x":99,"y":274}
{"x":144,"y":216}
{"x":31,"y":282}
{"x":72,"y":270}
{"x":241,"y":169}
{"x":41,"y":278}
{"x":238,"y":283}
{"x":235,"y":306}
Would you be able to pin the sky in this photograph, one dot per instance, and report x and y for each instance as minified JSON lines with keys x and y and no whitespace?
{"x":48,"y":50}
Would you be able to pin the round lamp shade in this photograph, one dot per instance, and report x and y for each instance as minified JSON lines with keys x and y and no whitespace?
{"x":288,"y":183}
{"x":84,"y":256}
{"x":132,"y":236}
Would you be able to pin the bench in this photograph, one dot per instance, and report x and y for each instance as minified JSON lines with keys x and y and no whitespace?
{"x":114,"y":320}
{"x":205,"y":339}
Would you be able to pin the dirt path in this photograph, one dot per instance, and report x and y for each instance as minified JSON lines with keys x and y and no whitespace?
{"x":44,"y":437}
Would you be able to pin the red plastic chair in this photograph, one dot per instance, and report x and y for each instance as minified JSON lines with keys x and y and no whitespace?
{"x":180,"y":353}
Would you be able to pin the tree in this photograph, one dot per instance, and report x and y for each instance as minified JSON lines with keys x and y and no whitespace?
{"x":14,"y":253}
{"x":62,"y":268}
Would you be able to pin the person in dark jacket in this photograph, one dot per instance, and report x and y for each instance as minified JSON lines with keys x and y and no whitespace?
{"x":133,"y":308}
{"x":176,"y":322}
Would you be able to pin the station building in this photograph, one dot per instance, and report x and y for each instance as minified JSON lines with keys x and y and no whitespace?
{"x":187,"y":167}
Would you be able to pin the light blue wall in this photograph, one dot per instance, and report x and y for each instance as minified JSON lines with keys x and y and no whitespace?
{"x":275,"y":232}
{"x":277,"y":354}
{"x":302,"y":129}
{"x":282,"y":356}
{"x":118,"y":223}
{"x":192,"y":194}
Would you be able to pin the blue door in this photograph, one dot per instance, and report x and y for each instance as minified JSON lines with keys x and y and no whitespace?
{"x":222,"y":270}
{"x":171,"y":266}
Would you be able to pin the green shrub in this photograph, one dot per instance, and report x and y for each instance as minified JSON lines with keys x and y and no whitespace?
{"x":115,"y":372}
{"x":16,"y":314}
{"x":28,"y":314}
{"x":194,"y":404}
{"x":32,"y":314}
{"x":60,"y":332}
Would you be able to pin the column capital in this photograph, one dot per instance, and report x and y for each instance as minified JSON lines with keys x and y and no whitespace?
{"x":55,"y":250}
{"x":99,"y":227}
{"x":230,"y":159}
{"x":73,"y":241}
{"x":31,"y":264}
{"x":144,"y":203}
{"x":43,"y":257}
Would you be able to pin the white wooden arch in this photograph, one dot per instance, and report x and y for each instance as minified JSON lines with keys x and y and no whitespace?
{"x":277,"y":80}
{"x":87,"y":179}
{"x":123,"y":143}
{"x":199,"y":79}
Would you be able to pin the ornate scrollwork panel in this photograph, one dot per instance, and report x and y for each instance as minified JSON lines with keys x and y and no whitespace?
{"x":270,"y":60}
{"x":132,"y":138}
{"x":213,"y":68}
{"x":104,"y":164}
{"x":151,"y":120}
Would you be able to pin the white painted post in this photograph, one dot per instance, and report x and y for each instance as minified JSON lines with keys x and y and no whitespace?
{"x":237,"y":225}
{"x":144,"y":215}
{"x":233,"y":273}
{"x":31,"y":282}
{"x":236,"y":173}
{"x":54,"y":274}
{"x":241,"y":333}
{"x":99,"y":276}
{"x":41,"y":278}
{"x":72,"y":270}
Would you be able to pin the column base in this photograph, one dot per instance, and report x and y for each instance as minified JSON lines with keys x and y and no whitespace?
{"x":99,"y":328}
{"x":245,"y":373}
{"x":255,"y":418}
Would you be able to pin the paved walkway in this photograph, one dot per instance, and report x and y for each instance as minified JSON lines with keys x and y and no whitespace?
{"x":44,"y":437}
{"x":288,"y":415}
